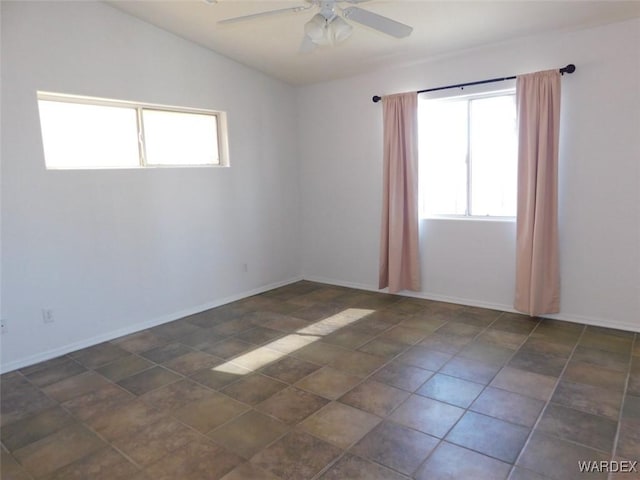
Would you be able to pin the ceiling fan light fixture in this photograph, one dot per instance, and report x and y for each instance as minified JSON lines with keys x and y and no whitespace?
{"x":323,"y":31}
{"x":316,"y":29}
{"x":340,"y":30}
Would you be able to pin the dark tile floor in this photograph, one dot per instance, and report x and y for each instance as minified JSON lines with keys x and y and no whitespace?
{"x":315,"y":381}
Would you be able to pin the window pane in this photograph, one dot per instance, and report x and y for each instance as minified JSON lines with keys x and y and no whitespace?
{"x":174,"y":138}
{"x":443,"y":155}
{"x":76,"y":135}
{"x":493,"y":142}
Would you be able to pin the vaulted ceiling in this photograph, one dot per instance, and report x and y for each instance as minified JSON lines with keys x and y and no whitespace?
{"x":271,"y":43}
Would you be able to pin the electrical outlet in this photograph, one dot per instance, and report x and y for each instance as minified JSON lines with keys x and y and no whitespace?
{"x":47,"y":315}
{"x":3,"y":326}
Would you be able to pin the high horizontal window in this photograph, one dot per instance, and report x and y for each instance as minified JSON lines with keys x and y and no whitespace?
{"x":86,"y":132}
{"x":468,"y":156}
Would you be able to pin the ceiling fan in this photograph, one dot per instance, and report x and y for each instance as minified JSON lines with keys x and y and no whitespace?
{"x":329,"y":25}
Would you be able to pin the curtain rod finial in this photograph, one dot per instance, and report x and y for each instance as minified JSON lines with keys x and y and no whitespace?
{"x":568,"y":69}
{"x":376,"y":98}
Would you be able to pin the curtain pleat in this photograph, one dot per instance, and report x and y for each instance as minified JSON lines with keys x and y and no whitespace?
{"x":399,"y":262}
{"x":537,"y":264}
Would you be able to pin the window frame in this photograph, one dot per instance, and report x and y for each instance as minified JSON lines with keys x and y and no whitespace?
{"x":467,"y":97}
{"x":139,"y":107}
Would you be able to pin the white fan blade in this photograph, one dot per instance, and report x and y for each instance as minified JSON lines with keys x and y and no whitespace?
{"x":377,"y":22}
{"x":307,"y":45}
{"x":264,"y":14}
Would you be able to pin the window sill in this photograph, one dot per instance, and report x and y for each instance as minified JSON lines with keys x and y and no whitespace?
{"x":470,"y":218}
{"x":133,"y":167}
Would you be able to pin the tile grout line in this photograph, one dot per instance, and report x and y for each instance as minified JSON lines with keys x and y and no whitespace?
{"x":442,"y":440}
{"x":386,"y":417}
{"x":622,"y":401}
{"x":548,"y":401}
{"x":345,"y":451}
{"x":541,"y":410}
{"x":136,"y":397}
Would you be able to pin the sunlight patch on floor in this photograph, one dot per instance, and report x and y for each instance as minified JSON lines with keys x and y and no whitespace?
{"x":277,"y":349}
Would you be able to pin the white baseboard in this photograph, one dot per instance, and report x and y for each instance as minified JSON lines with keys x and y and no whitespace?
{"x":596,"y":321}
{"x":424,"y":295}
{"x":136,"y":327}
{"x":567,"y":317}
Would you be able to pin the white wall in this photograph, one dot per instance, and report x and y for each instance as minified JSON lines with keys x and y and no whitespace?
{"x":471,"y":261}
{"x":113,"y":251}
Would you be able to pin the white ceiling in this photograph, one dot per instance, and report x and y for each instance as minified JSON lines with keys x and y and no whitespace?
{"x":271,"y":44}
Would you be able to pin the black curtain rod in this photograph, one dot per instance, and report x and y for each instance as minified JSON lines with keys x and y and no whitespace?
{"x":568,"y":69}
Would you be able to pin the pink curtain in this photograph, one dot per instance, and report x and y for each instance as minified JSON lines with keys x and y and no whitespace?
{"x":399,"y":263}
{"x":537,"y":269}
